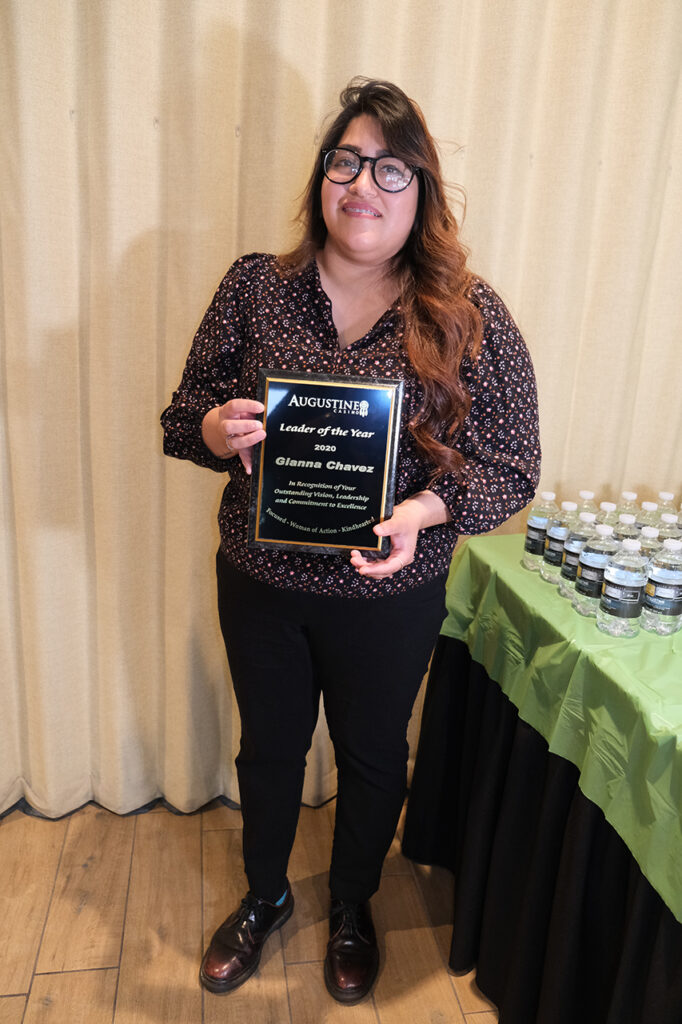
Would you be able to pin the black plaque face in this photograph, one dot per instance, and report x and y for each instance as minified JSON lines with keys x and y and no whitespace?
{"x":325,"y":473}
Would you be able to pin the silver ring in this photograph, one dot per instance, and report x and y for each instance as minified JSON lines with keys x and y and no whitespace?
{"x":228,"y":446}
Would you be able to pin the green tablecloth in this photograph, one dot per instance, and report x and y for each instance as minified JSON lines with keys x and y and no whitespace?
{"x":612,"y":706}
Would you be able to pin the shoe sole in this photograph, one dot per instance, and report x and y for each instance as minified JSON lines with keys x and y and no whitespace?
{"x":221,"y":988}
{"x":340,"y":994}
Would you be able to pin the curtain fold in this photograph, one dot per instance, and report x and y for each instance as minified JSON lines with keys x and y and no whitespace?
{"x":146,"y":144}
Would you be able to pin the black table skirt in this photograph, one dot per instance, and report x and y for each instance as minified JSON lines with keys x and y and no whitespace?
{"x":550,"y":906}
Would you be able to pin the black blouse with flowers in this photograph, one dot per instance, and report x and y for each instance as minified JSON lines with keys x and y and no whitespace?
{"x":259,"y":318}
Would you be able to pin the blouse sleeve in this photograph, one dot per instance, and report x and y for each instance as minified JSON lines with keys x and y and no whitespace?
{"x":211,"y":373}
{"x":500,"y":438}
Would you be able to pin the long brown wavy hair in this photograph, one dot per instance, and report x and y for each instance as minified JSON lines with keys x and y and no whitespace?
{"x":442,"y":324}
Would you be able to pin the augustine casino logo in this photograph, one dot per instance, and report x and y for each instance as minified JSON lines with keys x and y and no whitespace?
{"x":343,"y":406}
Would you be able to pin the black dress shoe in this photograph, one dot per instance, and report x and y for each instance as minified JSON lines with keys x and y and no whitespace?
{"x":234,"y":951}
{"x":352,"y":961}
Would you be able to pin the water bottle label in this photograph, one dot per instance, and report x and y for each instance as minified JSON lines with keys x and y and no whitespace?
{"x":622,"y":601}
{"x":588,"y":580}
{"x":535,"y":540}
{"x":569,"y":564}
{"x":663,"y":598}
{"x":554,"y":550}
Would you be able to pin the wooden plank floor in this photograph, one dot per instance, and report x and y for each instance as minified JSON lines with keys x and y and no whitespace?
{"x":103,"y":920}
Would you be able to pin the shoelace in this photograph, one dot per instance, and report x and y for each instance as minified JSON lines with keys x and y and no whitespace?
{"x":251,"y":904}
{"x":249,"y":914}
{"x":350,"y":914}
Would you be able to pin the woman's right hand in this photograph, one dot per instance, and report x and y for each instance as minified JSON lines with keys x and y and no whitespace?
{"x":231,"y":429}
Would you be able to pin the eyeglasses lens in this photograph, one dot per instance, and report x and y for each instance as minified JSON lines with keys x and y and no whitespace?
{"x":391,"y":174}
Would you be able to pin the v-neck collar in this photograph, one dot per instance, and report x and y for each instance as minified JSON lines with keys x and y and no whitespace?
{"x":390,"y":311}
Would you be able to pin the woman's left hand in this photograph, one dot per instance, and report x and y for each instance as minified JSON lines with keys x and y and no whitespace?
{"x":409,"y":517}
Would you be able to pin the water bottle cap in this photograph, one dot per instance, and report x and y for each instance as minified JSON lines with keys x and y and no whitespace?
{"x":626,"y":518}
{"x":547,"y":495}
{"x":666,"y":495}
{"x":650,"y":531}
{"x":630,"y":544}
{"x":568,"y":506}
{"x":670,"y":544}
{"x":586,"y":495}
{"x":630,"y":495}
{"x":587,"y":517}
{"x":649,"y":506}
{"x":669,"y":517}
{"x":604,"y":529}
{"x":608,"y":506}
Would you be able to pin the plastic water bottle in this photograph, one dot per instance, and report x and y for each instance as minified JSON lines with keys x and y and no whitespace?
{"x":536,"y":530}
{"x":557,"y":532}
{"x":647,"y":515}
{"x":607,"y":513}
{"x":625,"y":577}
{"x":669,"y":526}
{"x":628,"y":503}
{"x":590,"y":573}
{"x":587,"y":502}
{"x":648,"y":539}
{"x":666,"y":502}
{"x":578,"y":536}
{"x":662,"y":604}
{"x":625,"y":528}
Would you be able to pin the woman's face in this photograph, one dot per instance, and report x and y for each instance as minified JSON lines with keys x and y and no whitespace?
{"x":364,"y":223}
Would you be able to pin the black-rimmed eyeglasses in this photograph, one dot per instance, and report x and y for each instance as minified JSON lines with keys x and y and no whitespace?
{"x":341,"y":166}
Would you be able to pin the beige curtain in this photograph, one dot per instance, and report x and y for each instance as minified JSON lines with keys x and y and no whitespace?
{"x":148,"y":143}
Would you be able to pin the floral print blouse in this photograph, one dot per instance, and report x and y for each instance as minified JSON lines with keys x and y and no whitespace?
{"x":260,"y":318}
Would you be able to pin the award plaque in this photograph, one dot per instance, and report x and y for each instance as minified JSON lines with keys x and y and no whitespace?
{"x":325,"y":473}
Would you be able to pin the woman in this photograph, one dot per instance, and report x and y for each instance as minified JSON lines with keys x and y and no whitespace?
{"x":379,"y":287}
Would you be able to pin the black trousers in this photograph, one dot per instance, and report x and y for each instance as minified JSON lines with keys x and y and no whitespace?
{"x":367,"y":658}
